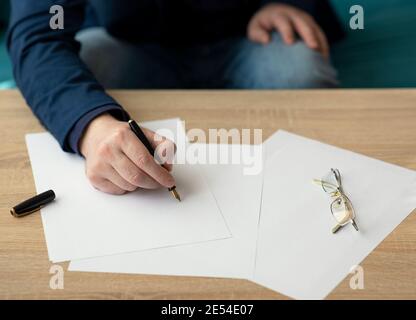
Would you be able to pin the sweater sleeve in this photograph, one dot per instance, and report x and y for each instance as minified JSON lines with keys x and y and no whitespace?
{"x":77,"y":131}
{"x":57,"y":85}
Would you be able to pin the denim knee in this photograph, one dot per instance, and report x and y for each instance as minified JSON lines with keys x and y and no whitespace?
{"x":279,"y":66}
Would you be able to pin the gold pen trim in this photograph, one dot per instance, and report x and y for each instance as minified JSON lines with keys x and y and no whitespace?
{"x":14,"y":214}
{"x":175,"y":193}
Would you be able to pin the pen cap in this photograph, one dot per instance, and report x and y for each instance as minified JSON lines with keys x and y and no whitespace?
{"x":33,"y":204}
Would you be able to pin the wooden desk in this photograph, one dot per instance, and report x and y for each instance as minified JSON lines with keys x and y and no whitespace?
{"x":380,"y":124}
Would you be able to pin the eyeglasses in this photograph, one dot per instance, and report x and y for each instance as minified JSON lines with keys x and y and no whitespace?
{"x":341,"y":206}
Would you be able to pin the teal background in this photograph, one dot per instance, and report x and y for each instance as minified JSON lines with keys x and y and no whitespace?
{"x":384,"y":53}
{"x":5,"y":67}
{"x":381,"y":55}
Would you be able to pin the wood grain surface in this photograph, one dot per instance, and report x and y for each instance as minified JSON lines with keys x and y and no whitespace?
{"x":377,"y":123}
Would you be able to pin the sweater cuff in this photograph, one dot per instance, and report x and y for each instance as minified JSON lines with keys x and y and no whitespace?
{"x":78,"y":129}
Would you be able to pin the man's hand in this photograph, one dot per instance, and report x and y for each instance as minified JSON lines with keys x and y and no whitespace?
{"x":287,"y":20}
{"x":117,"y":162}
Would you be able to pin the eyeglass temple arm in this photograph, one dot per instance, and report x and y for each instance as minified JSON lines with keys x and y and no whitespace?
{"x":354,"y":224}
{"x":321,"y":183}
{"x":337,"y":175}
{"x":336,"y":228}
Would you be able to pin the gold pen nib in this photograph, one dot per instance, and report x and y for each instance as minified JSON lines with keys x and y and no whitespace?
{"x":175,"y":193}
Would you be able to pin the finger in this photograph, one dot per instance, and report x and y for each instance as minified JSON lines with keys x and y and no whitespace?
{"x":283,"y":25}
{"x":323,"y":42}
{"x":113,"y":176}
{"x":130,"y":173}
{"x":306,"y":31}
{"x":140,"y":156}
{"x":257,"y":32}
{"x":165,"y":149}
{"x":107,"y":186}
{"x":165,"y":154}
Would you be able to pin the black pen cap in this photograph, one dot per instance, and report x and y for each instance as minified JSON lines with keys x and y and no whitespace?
{"x":33,"y":204}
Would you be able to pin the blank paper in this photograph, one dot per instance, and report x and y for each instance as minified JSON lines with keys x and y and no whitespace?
{"x":239,"y":199}
{"x":84,"y":222}
{"x":297,"y":254}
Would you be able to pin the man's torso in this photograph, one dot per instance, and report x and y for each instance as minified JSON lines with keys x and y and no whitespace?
{"x":187,"y":21}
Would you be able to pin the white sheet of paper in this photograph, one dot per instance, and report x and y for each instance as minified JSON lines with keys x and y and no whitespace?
{"x":297,"y":254}
{"x":84,"y":222}
{"x":238,"y":196}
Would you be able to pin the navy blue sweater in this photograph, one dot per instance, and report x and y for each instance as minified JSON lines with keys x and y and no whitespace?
{"x":58,"y":86}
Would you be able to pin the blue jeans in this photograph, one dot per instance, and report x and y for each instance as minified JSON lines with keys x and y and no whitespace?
{"x":235,"y":63}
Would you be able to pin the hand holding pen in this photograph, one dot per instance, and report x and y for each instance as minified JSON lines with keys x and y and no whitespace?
{"x":118,"y":162}
{"x":142,"y":137}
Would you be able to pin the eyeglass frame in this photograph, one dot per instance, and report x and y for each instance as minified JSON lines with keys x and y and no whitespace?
{"x":338,"y":195}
